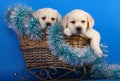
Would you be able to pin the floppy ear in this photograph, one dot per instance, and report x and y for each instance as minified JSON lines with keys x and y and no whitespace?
{"x":90,"y":21}
{"x":59,"y":17}
{"x":65,"y":20}
{"x":36,"y":13}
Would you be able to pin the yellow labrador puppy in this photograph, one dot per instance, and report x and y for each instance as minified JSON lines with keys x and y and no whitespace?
{"x":47,"y":17}
{"x":80,"y":22}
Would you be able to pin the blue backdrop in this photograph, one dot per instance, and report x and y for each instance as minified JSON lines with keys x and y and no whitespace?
{"x":107,"y":21}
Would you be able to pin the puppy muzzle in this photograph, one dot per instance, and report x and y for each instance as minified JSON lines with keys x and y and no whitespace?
{"x":48,"y":24}
{"x":79,"y":30}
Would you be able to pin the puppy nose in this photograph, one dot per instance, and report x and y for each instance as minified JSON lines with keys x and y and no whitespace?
{"x":78,"y":29}
{"x":48,"y":24}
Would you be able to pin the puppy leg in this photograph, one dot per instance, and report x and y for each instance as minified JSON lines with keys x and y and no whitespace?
{"x":67,"y":32}
{"x":95,"y":41}
{"x":95,"y":45}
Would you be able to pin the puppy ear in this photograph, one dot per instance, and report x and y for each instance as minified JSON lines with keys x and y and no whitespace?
{"x":65,"y":20}
{"x":90,"y":21}
{"x":36,"y":13}
{"x":59,"y":17}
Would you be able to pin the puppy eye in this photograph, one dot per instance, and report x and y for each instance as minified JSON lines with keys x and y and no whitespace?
{"x":83,"y":21}
{"x":43,"y":18}
{"x":73,"y":22}
{"x":52,"y":19}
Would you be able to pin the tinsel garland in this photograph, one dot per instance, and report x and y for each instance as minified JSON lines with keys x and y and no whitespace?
{"x":79,"y":56}
{"x":20,"y":19}
{"x":67,"y":53}
{"x":102,"y":70}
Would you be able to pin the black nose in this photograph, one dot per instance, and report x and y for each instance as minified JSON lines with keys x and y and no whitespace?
{"x":48,"y":24}
{"x":78,"y":29}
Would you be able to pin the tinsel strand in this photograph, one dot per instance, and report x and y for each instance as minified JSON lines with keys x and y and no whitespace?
{"x":20,"y":19}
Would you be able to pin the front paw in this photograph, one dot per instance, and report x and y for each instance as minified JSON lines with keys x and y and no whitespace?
{"x":67,"y":32}
{"x":100,"y":54}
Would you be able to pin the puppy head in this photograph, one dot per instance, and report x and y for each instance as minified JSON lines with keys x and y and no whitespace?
{"x":47,"y":17}
{"x":77,"y":22}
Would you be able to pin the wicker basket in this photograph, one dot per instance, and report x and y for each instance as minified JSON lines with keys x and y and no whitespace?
{"x":38,"y":55}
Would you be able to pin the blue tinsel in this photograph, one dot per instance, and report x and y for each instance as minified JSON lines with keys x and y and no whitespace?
{"x":67,"y":53}
{"x":20,"y":19}
{"x":102,"y":70}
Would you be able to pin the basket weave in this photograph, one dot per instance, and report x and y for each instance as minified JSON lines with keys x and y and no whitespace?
{"x":38,"y":55}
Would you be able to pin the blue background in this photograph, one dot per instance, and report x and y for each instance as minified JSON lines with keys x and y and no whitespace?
{"x":107,"y":21}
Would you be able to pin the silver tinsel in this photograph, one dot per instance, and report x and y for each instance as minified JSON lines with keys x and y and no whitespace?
{"x":20,"y":19}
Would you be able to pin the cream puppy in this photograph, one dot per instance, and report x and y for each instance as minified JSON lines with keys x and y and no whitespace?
{"x":47,"y":17}
{"x":80,"y":22}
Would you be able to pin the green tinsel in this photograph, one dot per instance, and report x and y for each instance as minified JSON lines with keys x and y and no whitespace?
{"x":67,"y":53}
{"x":102,"y":70}
{"x":20,"y":19}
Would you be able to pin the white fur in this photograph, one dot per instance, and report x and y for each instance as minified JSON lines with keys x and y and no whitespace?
{"x":48,"y":13}
{"x":87,"y":28}
{"x":67,"y":31}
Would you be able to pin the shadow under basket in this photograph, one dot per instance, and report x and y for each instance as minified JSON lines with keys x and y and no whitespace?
{"x":38,"y":55}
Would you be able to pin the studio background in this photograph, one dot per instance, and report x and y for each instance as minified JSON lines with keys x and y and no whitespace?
{"x":107,"y":21}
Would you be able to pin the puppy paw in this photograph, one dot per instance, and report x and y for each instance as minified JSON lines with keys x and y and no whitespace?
{"x":100,"y":54}
{"x":67,"y":32}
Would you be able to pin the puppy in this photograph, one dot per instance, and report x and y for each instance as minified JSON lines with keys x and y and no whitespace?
{"x":47,"y":17}
{"x":80,"y":22}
